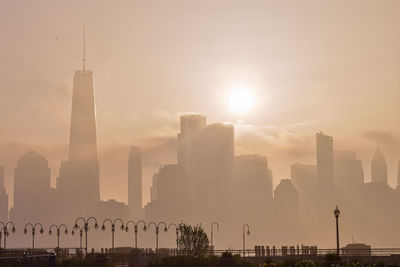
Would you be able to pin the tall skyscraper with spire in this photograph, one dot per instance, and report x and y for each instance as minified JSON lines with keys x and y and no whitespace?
{"x":379,"y":168}
{"x":79,"y":176}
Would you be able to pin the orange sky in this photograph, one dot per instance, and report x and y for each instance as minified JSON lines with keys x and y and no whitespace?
{"x":314,"y":65}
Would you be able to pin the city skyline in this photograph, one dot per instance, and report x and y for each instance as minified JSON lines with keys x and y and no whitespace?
{"x":362,"y":83}
{"x":159,"y":120}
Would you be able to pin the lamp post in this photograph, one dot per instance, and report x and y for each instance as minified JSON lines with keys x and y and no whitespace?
{"x":244,"y":237}
{"x":103,"y":227}
{"x":33,"y":228}
{"x":58,"y":228}
{"x":80,"y":235}
{"x":158,"y":230}
{"x":135,"y":225}
{"x":177,"y":228}
{"x":337,"y":213}
{"x":4,"y":229}
{"x":212,"y":233}
{"x":85,"y":227}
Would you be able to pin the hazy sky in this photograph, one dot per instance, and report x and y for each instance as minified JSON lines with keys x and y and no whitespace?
{"x":312,"y":65}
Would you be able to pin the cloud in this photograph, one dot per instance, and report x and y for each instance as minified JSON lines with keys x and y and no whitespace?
{"x":279,"y":142}
{"x":382,"y":138}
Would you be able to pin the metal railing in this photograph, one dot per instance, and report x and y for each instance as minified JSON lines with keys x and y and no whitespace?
{"x":29,"y":259}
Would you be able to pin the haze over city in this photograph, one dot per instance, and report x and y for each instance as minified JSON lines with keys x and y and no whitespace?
{"x":179,"y":80}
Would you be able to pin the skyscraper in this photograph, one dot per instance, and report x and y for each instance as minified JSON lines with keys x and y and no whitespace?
{"x":349,"y":173}
{"x":379,"y":168}
{"x":251,"y":186}
{"x":286,"y":198}
{"x":79,"y":176}
{"x":135,"y":183}
{"x":31,"y":189}
{"x":3,"y":198}
{"x":303,"y":176}
{"x":172,"y":200}
{"x":190,"y":126}
{"x":212,"y":165}
{"x":325,"y":163}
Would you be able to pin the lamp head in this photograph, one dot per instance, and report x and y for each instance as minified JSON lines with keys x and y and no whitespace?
{"x":13,"y":229}
{"x":248,"y":232}
{"x":72,"y":232}
{"x":50,"y":232}
{"x":122,"y":227}
{"x":126,"y":229}
{"x":25,"y":231}
{"x":165,"y":229}
{"x":41,"y":231}
{"x":96,"y":226}
{"x":76,"y":226}
{"x":336,"y":212}
{"x":145,"y":228}
{"x":66,"y":231}
{"x":103,"y":227}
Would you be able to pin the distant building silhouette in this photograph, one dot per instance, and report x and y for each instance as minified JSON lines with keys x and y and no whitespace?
{"x":325,"y":164}
{"x":172,"y":202}
{"x":79,"y":176}
{"x":154,"y":188}
{"x":111,"y":209}
{"x":32,"y":193}
{"x":349,"y":174}
{"x":212,"y":162}
{"x":135,"y":183}
{"x":379,"y":168}
{"x":303,"y":175}
{"x":252,"y":186}
{"x":286,"y":204}
{"x":190,"y":125}
{"x":3,"y":198}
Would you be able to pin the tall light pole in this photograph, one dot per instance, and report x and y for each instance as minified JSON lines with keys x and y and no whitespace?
{"x":4,"y":229}
{"x":337,"y":213}
{"x":158,"y":230}
{"x":113,"y":223}
{"x":80,"y":235}
{"x":212,"y":233}
{"x":177,"y":228}
{"x":58,"y":228}
{"x":244,"y":237}
{"x":85,"y":227}
{"x":33,"y":228}
{"x":135,"y":225}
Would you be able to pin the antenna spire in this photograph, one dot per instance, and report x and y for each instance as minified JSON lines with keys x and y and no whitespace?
{"x":84,"y":48}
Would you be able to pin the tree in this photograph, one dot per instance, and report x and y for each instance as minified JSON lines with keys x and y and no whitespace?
{"x":192,"y":240}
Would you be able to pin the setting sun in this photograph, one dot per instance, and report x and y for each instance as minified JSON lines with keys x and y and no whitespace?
{"x":240,"y":100}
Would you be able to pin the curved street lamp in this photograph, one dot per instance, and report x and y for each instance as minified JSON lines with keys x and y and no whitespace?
{"x":135,"y":225}
{"x":80,"y":235}
{"x":103,"y":227}
{"x":4,"y":229}
{"x":33,"y":228}
{"x":337,"y":213}
{"x":212,"y":233}
{"x":244,"y":237}
{"x":58,"y":228}
{"x":85,"y":227}
{"x":177,"y":228}
{"x":158,"y":230}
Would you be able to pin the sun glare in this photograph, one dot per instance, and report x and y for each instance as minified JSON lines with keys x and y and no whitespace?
{"x":240,"y":101}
